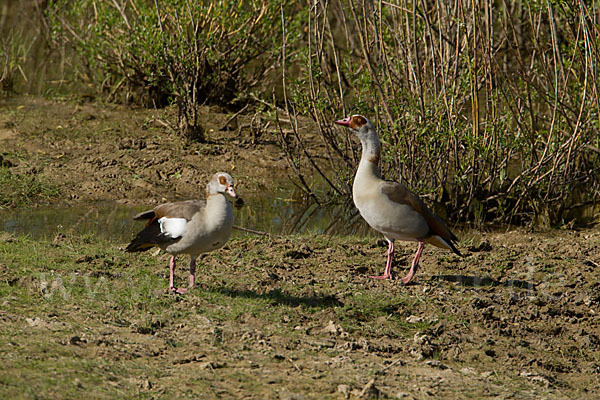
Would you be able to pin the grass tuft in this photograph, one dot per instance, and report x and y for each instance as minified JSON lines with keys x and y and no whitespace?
{"x":20,"y":190}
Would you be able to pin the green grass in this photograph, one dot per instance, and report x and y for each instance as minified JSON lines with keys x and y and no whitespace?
{"x":80,"y":317}
{"x":22,"y":189}
{"x":69,"y":302}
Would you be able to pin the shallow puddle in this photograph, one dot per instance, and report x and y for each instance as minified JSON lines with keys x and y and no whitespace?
{"x":110,"y":220}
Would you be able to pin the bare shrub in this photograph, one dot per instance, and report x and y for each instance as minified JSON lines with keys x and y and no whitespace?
{"x":161,"y":52}
{"x":488,"y":108}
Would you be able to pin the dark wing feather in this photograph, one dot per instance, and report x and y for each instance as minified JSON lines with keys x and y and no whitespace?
{"x":400,"y":194}
{"x":148,"y":238}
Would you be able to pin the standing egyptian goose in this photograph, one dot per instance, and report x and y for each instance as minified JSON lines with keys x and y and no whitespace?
{"x":189,"y":227}
{"x":389,"y":207}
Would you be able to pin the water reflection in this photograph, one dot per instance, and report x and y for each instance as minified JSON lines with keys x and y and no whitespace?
{"x":110,"y":220}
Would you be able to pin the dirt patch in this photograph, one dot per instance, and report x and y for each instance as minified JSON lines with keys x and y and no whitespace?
{"x":517,"y":317}
{"x":98,"y":152}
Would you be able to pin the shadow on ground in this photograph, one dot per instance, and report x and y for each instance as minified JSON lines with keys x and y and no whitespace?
{"x":279,"y":297}
{"x":476,"y":281}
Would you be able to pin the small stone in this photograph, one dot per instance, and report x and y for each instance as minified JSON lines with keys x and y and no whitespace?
{"x":413,"y":319}
{"x":436,"y":364}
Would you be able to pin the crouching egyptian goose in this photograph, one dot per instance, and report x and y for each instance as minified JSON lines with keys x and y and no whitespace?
{"x":189,"y":227}
{"x":389,"y":207}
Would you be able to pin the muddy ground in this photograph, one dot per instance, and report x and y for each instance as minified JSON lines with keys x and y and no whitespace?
{"x":272,"y":317}
{"x":95,"y":153}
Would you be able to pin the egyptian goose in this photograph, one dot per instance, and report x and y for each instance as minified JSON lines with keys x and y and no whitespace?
{"x":389,"y":207}
{"x":189,"y":227}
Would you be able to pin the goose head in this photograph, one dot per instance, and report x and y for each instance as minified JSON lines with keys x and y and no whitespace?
{"x":360,"y":125}
{"x":221,"y":182}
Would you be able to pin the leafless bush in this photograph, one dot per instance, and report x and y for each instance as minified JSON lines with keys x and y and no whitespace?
{"x":489,"y":108}
{"x":161,"y":52}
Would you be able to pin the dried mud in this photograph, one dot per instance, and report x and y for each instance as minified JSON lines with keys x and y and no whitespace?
{"x":96,"y":153}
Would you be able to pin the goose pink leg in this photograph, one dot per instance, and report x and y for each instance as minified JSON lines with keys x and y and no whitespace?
{"x":192,"y":273}
{"x":415,"y":264}
{"x":172,"y":273}
{"x":387,"y":274}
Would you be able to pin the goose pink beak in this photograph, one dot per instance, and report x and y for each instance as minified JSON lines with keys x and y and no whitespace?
{"x":343,"y":122}
{"x":231,"y":192}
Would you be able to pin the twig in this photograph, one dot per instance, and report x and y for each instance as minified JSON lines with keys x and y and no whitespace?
{"x":396,"y":362}
{"x":251,"y":231}
{"x":235,"y":115}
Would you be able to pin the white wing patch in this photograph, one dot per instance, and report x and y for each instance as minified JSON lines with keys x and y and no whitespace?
{"x":172,"y":227}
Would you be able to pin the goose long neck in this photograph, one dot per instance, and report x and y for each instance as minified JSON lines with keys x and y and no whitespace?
{"x":218,"y":210}
{"x":371,"y":152}
{"x":216,"y":200}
